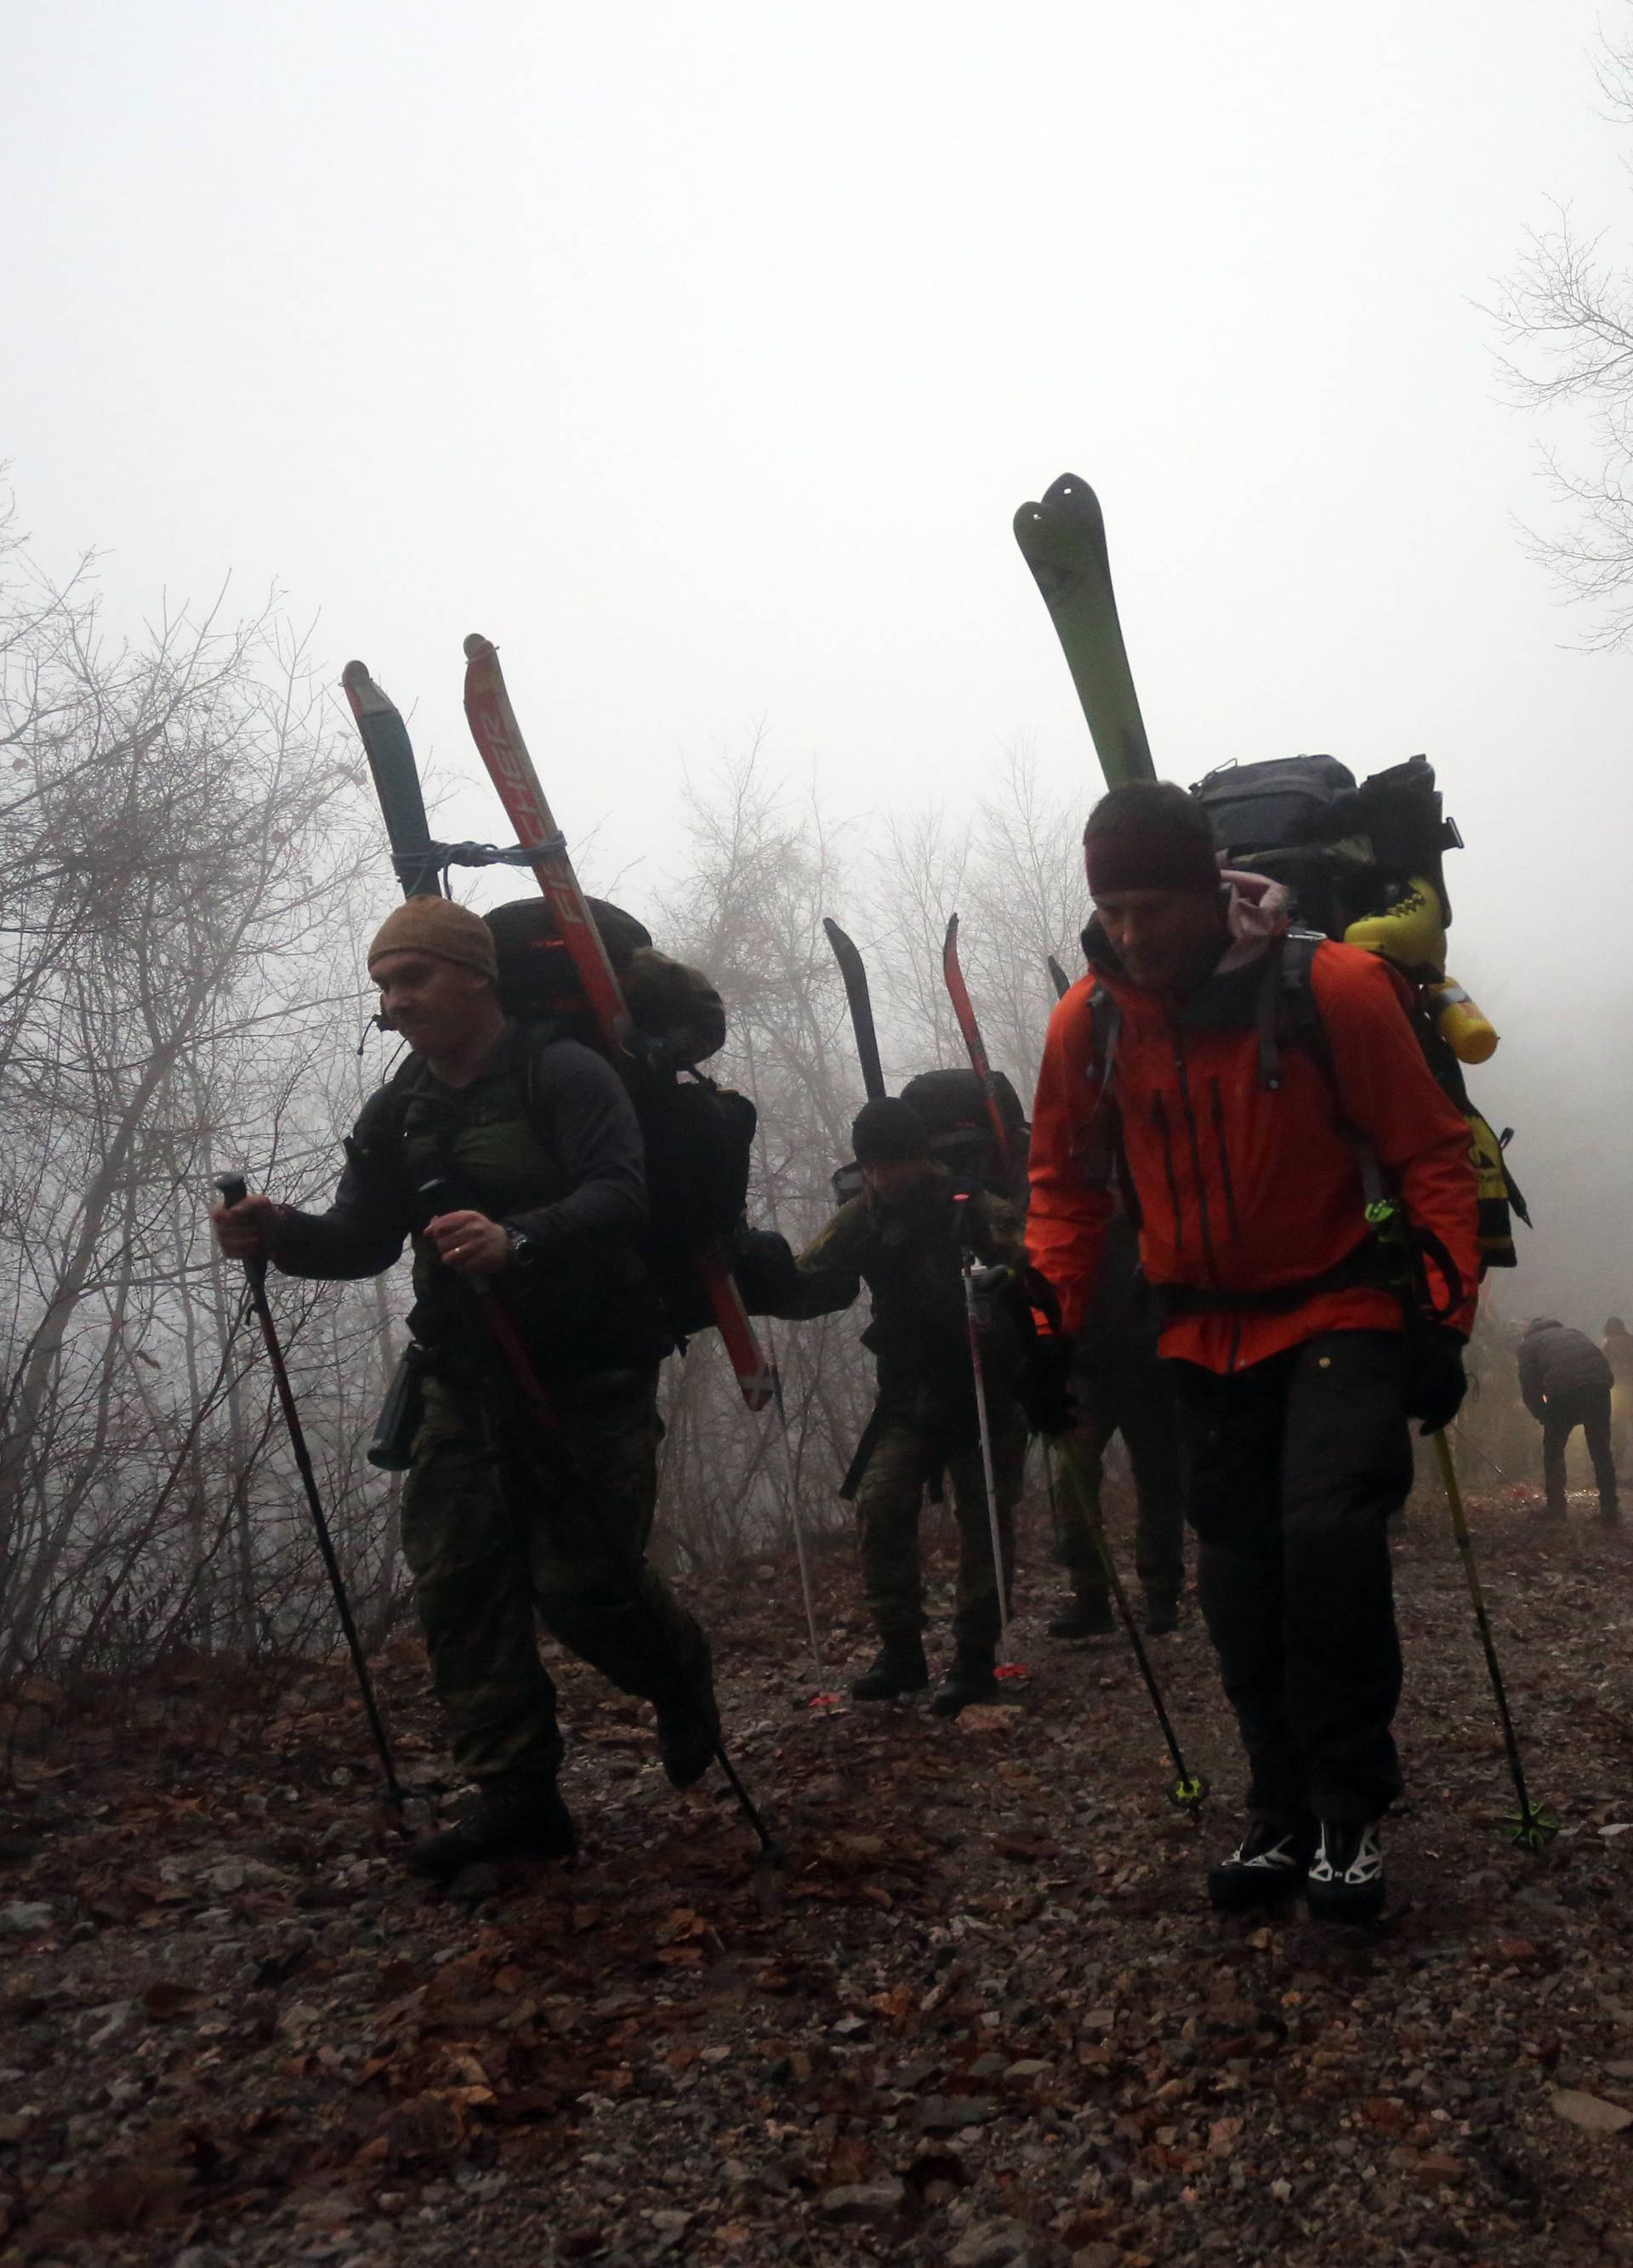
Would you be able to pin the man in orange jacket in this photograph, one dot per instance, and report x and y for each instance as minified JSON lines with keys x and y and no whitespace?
{"x":1254,"y":1090}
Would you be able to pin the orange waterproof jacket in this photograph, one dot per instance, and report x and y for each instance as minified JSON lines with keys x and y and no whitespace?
{"x":1242,"y":1186}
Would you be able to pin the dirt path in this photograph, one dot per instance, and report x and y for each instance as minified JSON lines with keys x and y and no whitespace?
{"x":989,"y":2020}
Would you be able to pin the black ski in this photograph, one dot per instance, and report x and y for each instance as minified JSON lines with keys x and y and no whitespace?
{"x":862,"y":1008}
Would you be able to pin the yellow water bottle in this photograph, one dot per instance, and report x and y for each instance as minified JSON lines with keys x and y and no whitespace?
{"x":1471,"y":1037}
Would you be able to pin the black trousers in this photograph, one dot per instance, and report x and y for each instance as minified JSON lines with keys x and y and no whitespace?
{"x":1294,"y":1466}
{"x":1588,"y":1407}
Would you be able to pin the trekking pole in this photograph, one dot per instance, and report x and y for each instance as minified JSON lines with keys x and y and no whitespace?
{"x":795,"y":1522}
{"x":233,"y":1190}
{"x":971,"y":1313}
{"x":1534,"y":1827}
{"x":1189,"y":1789}
{"x":489,"y":1319}
{"x":1486,"y":1457}
{"x":795,"y":1518}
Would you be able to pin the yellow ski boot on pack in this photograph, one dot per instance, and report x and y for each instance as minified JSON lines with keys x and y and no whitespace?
{"x":1412,"y":932}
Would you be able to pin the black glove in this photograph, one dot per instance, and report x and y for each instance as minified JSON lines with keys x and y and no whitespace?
{"x":1432,"y":1383}
{"x":763,"y":1266}
{"x":1045,"y":1386}
{"x":650,"y":1063}
{"x":992,"y":1280}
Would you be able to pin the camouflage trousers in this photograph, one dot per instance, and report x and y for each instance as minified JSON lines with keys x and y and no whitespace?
{"x":496,"y":1548}
{"x":1134,"y":1399}
{"x":905,"y":1453}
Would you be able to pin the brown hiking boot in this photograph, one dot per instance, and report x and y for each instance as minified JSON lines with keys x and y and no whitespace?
{"x":970,"y":1679}
{"x":518,"y":1815}
{"x":899,"y":1668}
{"x":1087,"y":1619}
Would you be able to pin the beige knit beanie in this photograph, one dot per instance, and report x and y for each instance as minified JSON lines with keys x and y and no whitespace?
{"x":437,"y":926}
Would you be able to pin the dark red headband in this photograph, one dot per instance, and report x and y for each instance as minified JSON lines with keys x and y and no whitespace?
{"x":1148,"y":858}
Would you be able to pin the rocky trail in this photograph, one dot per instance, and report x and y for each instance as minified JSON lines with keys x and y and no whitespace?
{"x":986,"y":2019}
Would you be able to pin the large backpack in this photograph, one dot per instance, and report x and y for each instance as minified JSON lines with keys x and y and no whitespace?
{"x":699,"y":1143}
{"x":1347,"y":852}
{"x":699,"y":1136}
{"x":1341,"y":851}
{"x":537,"y":976}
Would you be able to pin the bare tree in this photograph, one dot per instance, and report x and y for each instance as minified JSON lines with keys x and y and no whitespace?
{"x":1013,"y":872}
{"x":1566,"y":321}
{"x":765,"y":868}
{"x":178,"y":833}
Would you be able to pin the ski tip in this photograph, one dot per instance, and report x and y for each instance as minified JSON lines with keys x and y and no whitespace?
{"x":1070,"y":494}
{"x":951,"y":938}
{"x":367,"y":699}
{"x":477,"y":646}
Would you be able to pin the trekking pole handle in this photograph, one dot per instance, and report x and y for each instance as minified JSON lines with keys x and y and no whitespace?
{"x":234,"y":1189}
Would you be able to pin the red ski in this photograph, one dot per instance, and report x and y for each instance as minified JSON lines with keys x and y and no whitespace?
{"x":963,"y":1009}
{"x":499,"y":740}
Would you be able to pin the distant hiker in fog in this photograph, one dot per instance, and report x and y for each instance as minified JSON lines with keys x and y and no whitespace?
{"x":1618,"y":1350}
{"x":1565,"y":1382}
{"x":1120,"y":1387}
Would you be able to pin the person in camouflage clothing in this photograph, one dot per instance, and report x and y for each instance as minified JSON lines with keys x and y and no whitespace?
{"x":904,"y":1237}
{"x":514,"y":1162}
{"x":1118,"y":1386}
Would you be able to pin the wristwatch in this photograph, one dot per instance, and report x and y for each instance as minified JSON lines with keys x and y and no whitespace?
{"x":521,"y":1247}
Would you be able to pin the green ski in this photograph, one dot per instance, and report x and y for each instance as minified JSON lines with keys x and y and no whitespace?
{"x":396,"y":782}
{"x":1062,"y":540}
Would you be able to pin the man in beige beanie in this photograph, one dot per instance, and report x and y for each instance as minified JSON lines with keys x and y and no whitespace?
{"x":437,"y":927}
{"x":528,"y":1158}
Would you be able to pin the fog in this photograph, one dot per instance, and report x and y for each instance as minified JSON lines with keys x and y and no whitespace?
{"x":700,"y":358}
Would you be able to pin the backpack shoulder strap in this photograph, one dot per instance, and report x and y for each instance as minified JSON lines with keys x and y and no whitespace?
{"x":534,"y":1043}
{"x":1290,"y":1012}
{"x":384,"y":1117}
{"x":1287,"y":1010}
{"x":1105,"y":1025}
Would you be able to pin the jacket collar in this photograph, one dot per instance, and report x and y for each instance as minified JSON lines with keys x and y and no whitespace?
{"x":927,"y":1196}
{"x":1256,"y":918}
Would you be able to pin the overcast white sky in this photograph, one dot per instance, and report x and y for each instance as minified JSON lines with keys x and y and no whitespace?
{"x":701,"y":354}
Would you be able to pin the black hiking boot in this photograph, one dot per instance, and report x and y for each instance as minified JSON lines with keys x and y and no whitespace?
{"x":1270,"y":1862}
{"x":970,"y":1679}
{"x":1346,"y":1878}
{"x":899,"y":1668}
{"x":1086,"y":1618}
{"x":1161,"y":1614}
{"x":519,"y":1815}
{"x":689,"y":1724}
